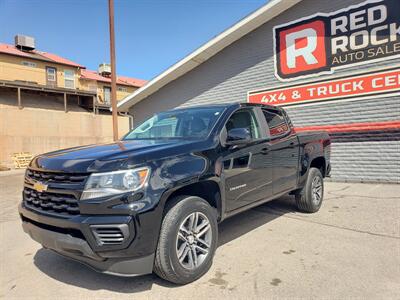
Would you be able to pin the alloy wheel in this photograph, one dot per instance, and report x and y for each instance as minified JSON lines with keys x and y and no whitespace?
{"x":316,"y":190}
{"x":194,"y":240}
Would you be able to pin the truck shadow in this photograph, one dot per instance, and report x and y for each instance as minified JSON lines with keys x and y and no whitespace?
{"x":244,"y":222}
{"x":77,"y":274}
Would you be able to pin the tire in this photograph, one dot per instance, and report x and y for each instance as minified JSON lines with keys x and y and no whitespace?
{"x":169,"y":263}
{"x":308,"y":200}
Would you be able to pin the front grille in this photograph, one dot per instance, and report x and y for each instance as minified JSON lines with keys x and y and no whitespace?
{"x":110,"y":234}
{"x":56,"y":177}
{"x":63,"y":204}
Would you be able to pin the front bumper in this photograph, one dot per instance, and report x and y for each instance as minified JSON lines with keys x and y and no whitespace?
{"x":74,"y":238}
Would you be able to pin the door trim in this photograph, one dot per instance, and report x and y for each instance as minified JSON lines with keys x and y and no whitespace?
{"x":238,"y":210}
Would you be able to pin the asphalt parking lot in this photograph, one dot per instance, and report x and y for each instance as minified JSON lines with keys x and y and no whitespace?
{"x":349,"y":249}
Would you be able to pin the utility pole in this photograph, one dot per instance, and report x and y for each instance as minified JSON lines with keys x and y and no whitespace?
{"x":113,"y":70}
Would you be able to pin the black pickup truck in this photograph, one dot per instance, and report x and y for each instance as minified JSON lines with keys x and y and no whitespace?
{"x":153,"y":200}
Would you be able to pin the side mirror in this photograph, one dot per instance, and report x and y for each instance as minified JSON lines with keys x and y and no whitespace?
{"x":237,"y":136}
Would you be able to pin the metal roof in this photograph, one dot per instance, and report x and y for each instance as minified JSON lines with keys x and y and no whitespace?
{"x":53,"y":58}
{"x":39,"y":55}
{"x":215,"y":45}
{"x":122,"y":80}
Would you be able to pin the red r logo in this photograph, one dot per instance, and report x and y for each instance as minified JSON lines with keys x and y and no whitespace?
{"x":301,"y":49}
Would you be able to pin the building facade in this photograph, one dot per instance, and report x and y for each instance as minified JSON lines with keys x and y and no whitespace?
{"x":48,"y":102}
{"x":25,"y":68}
{"x":333,"y":65}
{"x":101,"y":85}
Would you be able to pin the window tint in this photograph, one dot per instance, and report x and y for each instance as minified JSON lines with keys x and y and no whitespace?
{"x":244,"y":119}
{"x":276,"y":122}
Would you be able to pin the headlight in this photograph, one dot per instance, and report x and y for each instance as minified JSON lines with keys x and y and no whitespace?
{"x":113,"y":183}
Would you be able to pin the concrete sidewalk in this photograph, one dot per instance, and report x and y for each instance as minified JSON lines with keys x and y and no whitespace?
{"x":349,"y":249}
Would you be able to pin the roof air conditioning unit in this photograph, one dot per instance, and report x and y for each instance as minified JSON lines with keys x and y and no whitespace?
{"x":24,"y":42}
{"x":105,"y":69}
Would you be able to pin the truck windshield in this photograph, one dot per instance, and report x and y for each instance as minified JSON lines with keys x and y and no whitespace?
{"x":195,"y":123}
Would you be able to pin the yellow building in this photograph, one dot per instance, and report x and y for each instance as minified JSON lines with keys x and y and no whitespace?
{"x":101,"y":85}
{"x":48,"y":102}
{"x":24,"y":68}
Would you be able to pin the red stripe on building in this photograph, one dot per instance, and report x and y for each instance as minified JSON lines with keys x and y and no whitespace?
{"x":373,"y":126}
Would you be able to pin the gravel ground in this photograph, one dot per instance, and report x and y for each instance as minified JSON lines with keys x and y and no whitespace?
{"x":349,"y":249}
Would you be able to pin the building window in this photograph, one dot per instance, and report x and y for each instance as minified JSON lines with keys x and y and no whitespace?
{"x":28,"y":64}
{"x":122,"y":89}
{"x":107,"y":95}
{"x":51,"y":74}
{"x":69,"y":79}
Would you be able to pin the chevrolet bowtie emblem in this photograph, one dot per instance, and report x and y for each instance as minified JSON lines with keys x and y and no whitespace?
{"x":40,"y":187}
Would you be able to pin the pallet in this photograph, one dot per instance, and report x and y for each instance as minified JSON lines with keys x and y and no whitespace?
{"x":21,"y":160}
{"x":3,"y":168}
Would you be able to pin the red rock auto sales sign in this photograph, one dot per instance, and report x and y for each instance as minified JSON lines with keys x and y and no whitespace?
{"x":322,"y":42}
{"x":347,"y":87}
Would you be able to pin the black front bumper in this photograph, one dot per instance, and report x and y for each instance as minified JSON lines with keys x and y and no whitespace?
{"x":74,"y":238}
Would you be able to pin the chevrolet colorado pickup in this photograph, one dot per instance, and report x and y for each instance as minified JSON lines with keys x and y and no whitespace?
{"x":153,"y":200}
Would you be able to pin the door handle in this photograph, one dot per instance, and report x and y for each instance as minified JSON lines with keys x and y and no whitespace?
{"x":264,"y":151}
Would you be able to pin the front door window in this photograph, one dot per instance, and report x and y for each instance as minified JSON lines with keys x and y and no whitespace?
{"x":244,"y":119}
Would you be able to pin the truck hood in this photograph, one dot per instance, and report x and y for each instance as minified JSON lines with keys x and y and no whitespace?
{"x":112,"y":156}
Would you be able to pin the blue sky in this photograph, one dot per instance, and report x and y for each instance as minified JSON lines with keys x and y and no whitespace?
{"x":151,"y":35}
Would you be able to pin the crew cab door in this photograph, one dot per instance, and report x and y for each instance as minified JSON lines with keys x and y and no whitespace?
{"x":246,"y":169}
{"x":284,"y":151}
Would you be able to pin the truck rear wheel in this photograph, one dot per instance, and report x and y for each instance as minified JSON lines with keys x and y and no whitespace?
{"x":187,"y":242}
{"x":309,"y":199}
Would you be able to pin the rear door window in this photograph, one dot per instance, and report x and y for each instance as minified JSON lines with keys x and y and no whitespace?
{"x":277,"y":123}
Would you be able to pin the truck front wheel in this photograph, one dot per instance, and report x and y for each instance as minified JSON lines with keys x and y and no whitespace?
{"x":187,"y":242}
{"x":309,"y":199}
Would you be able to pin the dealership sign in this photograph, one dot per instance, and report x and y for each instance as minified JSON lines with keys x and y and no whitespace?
{"x":323,"y":42}
{"x":371,"y":83}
